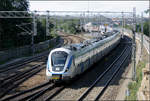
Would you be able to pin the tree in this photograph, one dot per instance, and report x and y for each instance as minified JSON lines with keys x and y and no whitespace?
{"x":146,"y":11}
{"x":70,"y":26}
{"x":9,"y":34}
{"x":146,"y":24}
{"x":11,"y":5}
{"x":146,"y":28}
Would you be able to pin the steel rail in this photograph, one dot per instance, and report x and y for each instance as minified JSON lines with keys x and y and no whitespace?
{"x":20,"y":81}
{"x":18,"y":76}
{"x":25,"y":91}
{"x":37,"y":94}
{"x":100,"y":77}
{"x":111,"y":78}
{"x":25,"y":61}
{"x":54,"y":94}
{"x":21,"y":64}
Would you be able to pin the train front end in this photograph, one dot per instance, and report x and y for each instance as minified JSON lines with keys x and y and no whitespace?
{"x":59,"y":64}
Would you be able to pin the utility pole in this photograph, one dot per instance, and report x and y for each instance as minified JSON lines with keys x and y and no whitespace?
{"x":99,"y":17}
{"x":101,"y":22}
{"x":134,"y":45}
{"x":34,"y":31}
{"x":141,"y":34}
{"x":88,"y":11}
{"x":47,"y":24}
{"x":84,"y":22}
{"x":149,"y":42}
{"x":81,"y":22}
{"x":122,"y":24}
{"x":47,"y":27}
{"x":55,"y":24}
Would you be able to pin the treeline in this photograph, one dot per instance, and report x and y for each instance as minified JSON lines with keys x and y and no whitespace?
{"x":41,"y":31}
{"x":145,"y":25}
{"x":69,"y":26}
{"x":145,"y":28}
{"x":12,"y":36}
{"x":138,"y":28}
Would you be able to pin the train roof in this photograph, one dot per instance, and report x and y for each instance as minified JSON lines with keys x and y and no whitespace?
{"x":78,"y":46}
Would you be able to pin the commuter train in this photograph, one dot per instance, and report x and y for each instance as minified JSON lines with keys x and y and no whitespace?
{"x":66,"y":62}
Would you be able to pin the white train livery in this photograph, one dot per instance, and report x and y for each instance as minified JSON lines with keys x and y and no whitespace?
{"x":66,"y":62}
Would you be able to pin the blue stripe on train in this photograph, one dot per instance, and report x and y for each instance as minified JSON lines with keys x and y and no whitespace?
{"x":70,"y":62}
{"x":48,"y":64}
{"x":82,"y":67}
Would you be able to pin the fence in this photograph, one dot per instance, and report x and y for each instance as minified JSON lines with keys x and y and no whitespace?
{"x":26,"y":50}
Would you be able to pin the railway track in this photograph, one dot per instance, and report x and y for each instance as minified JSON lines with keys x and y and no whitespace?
{"x":13,"y":81}
{"x":11,"y":72}
{"x":77,"y":37}
{"x":67,"y":40}
{"x":21,"y":95}
{"x":44,"y":91}
{"x":10,"y":84}
{"x":22,"y":63}
{"x":72,"y":38}
{"x":55,"y":92}
{"x":48,"y":91}
{"x":11,"y":76}
{"x":107,"y":76}
{"x":18,"y":76}
{"x":35,"y":95}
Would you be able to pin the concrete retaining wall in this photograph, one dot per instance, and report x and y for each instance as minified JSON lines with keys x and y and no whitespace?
{"x":26,"y":50}
{"x":144,"y":91}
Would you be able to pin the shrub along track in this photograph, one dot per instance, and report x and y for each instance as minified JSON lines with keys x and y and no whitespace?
{"x":24,"y":77}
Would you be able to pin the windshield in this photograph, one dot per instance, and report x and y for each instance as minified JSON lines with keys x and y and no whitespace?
{"x":59,"y":58}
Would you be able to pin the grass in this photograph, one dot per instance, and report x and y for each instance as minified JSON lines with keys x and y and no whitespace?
{"x":134,"y":86}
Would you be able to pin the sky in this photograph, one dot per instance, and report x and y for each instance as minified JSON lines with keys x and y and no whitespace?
{"x":117,"y":6}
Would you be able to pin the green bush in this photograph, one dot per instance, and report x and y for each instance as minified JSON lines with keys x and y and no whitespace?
{"x":134,"y":86}
{"x":146,"y":28}
{"x":69,"y":26}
